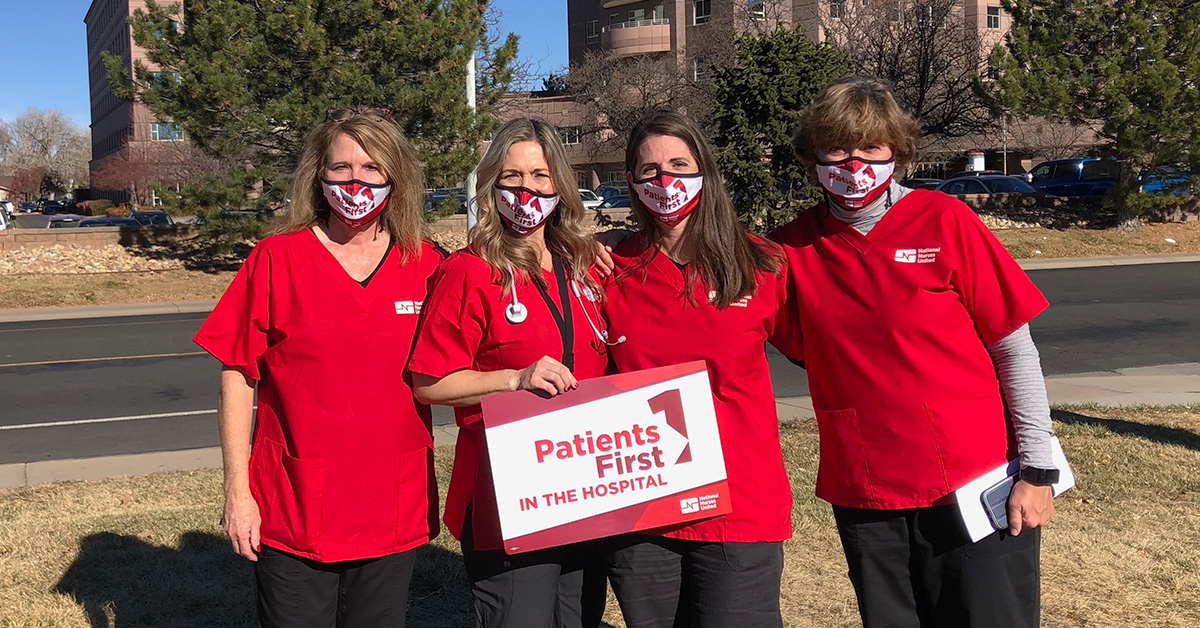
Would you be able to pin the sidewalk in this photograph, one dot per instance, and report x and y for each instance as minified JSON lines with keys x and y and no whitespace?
{"x":1172,"y":384}
{"x":183,"y":307}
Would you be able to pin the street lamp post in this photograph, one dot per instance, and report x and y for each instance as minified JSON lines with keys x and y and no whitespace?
{"x":472,"y":208}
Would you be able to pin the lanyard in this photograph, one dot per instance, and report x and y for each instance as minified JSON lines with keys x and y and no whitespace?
{"x":562,"y":319}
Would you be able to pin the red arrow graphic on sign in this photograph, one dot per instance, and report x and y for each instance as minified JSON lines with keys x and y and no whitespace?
{"x":670,"y":403}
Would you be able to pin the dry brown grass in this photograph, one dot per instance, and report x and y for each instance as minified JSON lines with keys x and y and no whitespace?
{"x":1121,"y":551}
{"x":25,"y":291}
{"x":1149,"y":239}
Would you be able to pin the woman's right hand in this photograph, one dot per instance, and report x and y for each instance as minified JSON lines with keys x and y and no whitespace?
{"x":546,"y":374}
{"x":242,"y":521}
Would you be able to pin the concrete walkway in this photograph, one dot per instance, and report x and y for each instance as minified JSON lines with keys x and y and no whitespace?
{"x":1174,"y":384}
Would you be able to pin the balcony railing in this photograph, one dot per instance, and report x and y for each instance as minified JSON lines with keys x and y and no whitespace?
{"x":662,"y":21}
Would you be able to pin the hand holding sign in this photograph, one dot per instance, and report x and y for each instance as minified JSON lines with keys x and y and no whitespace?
{"x":622,"y":453}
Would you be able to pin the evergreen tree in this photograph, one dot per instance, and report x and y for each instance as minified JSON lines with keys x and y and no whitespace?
{"x":1130,"y":66}
{"x":758,"y":105}
{"x":255,"y":76}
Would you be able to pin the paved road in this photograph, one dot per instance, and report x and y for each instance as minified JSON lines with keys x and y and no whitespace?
{"x":135,"y":370}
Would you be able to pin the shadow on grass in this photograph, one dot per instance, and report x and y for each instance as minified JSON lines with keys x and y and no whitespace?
{"x":124,"y":582}
{"x":1157,"y":433}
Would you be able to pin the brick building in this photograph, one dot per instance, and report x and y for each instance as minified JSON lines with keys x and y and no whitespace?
{"x":120,"y":129}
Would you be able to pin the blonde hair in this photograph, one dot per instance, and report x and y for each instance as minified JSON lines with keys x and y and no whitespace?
{"x":856,"y":112}
{"x":501,"y":247}
{"x":403,"y":216}
{"x":723,"y":256}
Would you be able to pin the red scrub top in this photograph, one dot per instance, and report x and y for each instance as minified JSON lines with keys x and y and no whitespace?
{"x":894,"y":327}
{"x":647,"y":305}
{"x":464,"y":327}
{"x":341,"y":464}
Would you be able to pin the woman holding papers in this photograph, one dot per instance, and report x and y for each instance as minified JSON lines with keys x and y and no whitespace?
{"x":914,"y":330}
{"x":691,"y":284}
{"x":337,"y":490}
{"x":511,"y":312}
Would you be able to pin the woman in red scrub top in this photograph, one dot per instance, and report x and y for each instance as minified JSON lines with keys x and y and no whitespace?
{"x":914,"y":331}
{"x":692,"y":284}
{"x":511,"y":312}
{"x":337,"y":489}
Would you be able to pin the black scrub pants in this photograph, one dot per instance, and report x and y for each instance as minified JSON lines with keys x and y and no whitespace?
{"x":674,"y":583}
{"x":916,"y":568}
{"x":557,"y":587}
{"x":298,"y":592}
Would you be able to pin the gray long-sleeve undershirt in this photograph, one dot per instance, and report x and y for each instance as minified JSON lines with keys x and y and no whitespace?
{"x":1018,"y":365}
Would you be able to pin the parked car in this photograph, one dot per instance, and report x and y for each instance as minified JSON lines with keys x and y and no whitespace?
{"x":613,"y":188}
{"x":590,"y":199}
{"x":1167,"y":180}
{"x":6,"y":208}
{"x":151,"y":217}
{"x":975,"y":173}
{"x":990,"y":184}
{"x":50,"y":208}
{"x":6,"y":221}
{"x":28,"y":207}
{"x":440,"y":195}
{"x":59,"y":221}
{"x":616,"y":202}
{"x":109,"y":221}
{"x":1081,"y":176}
{"x":920,"y":183}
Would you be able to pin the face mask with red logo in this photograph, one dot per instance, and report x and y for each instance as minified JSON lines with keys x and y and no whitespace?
{"x":524,"y":209}
{"x":670,"y":196}
{"x":854,"y":182}
{"x":355,"y":202}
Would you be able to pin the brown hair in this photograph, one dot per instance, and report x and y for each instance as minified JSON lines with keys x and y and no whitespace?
{"x":565,"y":235}
{"x":722,"y":255}
{"x":855,"y":112}
{"x":403,"y":217}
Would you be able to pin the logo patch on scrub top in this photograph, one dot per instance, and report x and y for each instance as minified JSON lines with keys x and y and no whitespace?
{"x":917,"y":256}
{"x":409,"y":307}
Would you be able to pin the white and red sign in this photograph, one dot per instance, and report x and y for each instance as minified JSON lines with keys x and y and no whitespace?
{"x":621,"y":453}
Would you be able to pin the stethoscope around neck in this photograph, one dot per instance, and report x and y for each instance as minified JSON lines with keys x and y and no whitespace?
{"x":516,"y":312}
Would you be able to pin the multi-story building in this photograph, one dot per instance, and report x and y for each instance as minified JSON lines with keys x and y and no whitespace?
{"x":686,"y":29}
{"x":120,"y":129}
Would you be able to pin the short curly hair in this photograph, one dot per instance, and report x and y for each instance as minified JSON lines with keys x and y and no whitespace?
{"x":855,"y":112}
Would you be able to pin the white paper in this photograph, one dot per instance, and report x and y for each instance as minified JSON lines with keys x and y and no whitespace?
{"x":969,"y":497}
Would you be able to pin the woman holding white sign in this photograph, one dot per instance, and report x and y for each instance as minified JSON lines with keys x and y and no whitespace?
{"x":508,"y":313}
{"x":692,"y":284}
{"x":915,"y":324}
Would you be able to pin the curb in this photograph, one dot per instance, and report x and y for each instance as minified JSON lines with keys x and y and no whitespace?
{"x":1094,"y":262}
{"x":26,"y":474}
{"x":106,"y":311}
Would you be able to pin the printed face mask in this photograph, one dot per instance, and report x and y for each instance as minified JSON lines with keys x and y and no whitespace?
{"x":670,"y":196}
{"x":523,"y":209}
{"x":356,"y":202}
{"x":855,"y":182}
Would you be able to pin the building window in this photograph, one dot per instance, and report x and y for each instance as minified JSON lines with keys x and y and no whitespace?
{"x":165,"y":131}
{"x":702,"y":11}
{"x":993,"y":17}
{"x":993,"y":72}
{"x":659,"y":12}
{"x":924,"y":15}
{"x":593,"y":31}
{"x":637,"y":15}
{"x":894,"y":11}
{"x":614,"y":19}
{"x":570,"y":134}
{"x":158,"y":76}
{"x":583,"y":180}
{"x":757,"y":9}
{"x":837,"y":9}
{"x":700,"y":70}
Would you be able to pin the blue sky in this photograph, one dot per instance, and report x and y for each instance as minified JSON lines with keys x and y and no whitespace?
{"x":43,"y":62}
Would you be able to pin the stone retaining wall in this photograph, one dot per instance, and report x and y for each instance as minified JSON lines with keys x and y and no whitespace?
{"x":95,"y":236}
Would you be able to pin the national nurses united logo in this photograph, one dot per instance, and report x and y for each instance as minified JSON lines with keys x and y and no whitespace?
{"x":409,"y":307}
{"x":917,"y":256}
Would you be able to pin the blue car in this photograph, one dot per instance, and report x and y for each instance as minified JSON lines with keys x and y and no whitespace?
{"x":1080,"y":176}
{"x":1166,"y":180}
